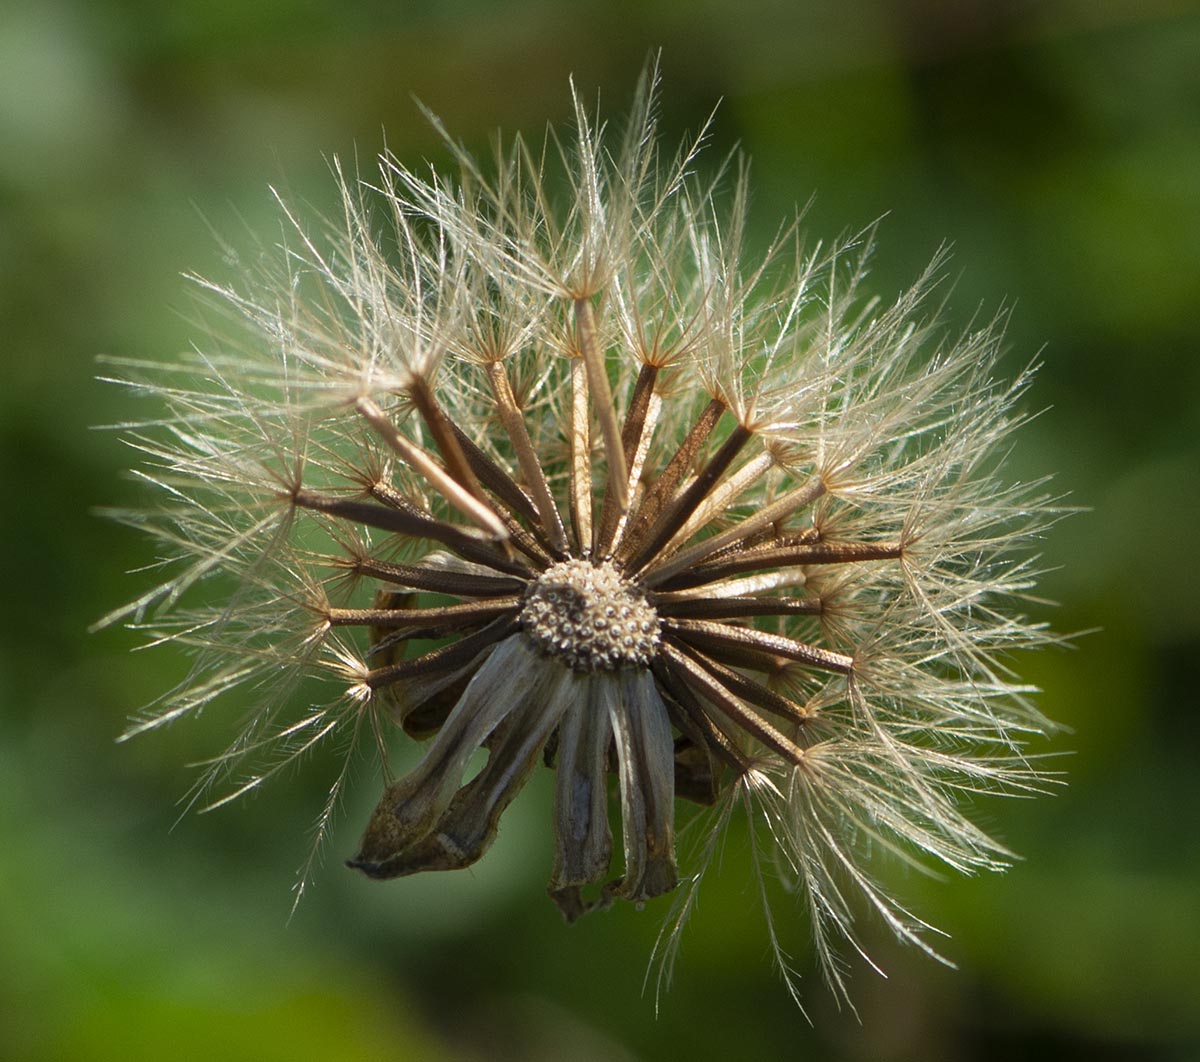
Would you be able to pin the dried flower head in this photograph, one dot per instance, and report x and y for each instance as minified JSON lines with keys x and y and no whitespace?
{"x":588,"y":484}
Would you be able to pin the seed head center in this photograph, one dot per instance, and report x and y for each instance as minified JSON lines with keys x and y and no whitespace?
{"x":590,"y":616}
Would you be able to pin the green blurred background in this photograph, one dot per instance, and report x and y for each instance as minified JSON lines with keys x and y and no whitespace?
{"x":1056,"y":145}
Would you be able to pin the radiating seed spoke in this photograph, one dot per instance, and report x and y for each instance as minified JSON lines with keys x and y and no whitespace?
{"x":780,"y":557}
{"x":581,"y":459}
{"x":602,"y":402}
{"x":684,"y":606}
{"x":443,"y":482}
{"x":664,"y":487}
{"x":437,"y":580}
{"x":465,"y":542}
{"x":681,"y":694}
{"x":766,"y":518}
{"x":549,"y":518}
{"x":445,"y":617}
{"x":386,"y":494}
{"x":713,"y":691}
{"x":631,"y":437}
{"x":745,"y":687}
{"x":499,"y":482}
{"x":704,"y":632}
{"x":444,"y":437}
{"x":446,"y":657}
{"x":676,"y":514}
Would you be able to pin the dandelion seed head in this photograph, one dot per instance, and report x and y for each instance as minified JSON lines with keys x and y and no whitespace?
{"x":588,"y":482}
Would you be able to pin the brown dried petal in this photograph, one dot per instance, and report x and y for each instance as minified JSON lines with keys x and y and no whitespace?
{"x":513,"y":675}
{"x":465,"y":832}
{"x":646,"y":766}
{"x":583,"y":841}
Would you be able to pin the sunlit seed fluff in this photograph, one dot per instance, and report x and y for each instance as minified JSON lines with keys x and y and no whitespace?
{"x":571,"y":475}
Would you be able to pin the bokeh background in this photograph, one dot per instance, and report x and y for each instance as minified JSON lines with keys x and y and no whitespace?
{"x":1056,"y":145}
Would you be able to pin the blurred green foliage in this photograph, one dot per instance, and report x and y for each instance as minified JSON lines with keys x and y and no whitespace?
{"x":1055,"y":144}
